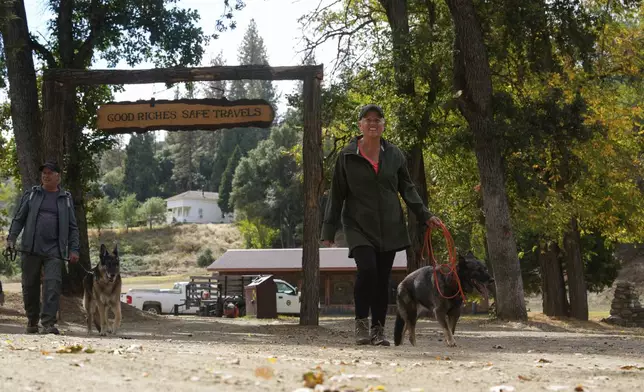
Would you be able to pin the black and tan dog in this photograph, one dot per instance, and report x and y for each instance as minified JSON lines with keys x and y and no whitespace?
{"x":418,"y":290}
{"x":103,"y":292}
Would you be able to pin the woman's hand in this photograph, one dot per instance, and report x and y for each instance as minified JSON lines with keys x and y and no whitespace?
{"x":434,"y":222}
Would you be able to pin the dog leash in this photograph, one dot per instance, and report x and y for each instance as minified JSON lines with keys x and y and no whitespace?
{"x":10,"y":254}
{"x":451,"y":264}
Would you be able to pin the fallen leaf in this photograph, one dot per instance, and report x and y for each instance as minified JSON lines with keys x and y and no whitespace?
{"x":264,"y":372}
{"x":312,"y":379}
{"x":579,"y":388}
{"x":543,"y":360}
{"x":498,"y":347}
{"x":631,"y":367}
{"x":43,"y":352}
{"x":89,"y":350}
{"x":524,"y":378}
{"x":70,"y":349}
{"x":272,"y":360}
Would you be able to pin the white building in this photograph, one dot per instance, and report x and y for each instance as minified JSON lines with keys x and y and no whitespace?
{"x":195,"y":207}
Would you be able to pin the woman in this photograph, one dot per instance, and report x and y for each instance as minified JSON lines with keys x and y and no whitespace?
{"x":369,"y":174}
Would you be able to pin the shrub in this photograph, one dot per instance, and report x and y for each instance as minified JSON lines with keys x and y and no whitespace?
{"x":205,"y":258}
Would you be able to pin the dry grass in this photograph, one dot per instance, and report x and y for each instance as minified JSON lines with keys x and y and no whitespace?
{"x":169,"y":250}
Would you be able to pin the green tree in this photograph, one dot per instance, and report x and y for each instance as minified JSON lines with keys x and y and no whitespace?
{"x":153,"y":211}
{"x":251,"y":52}
{"x":227,"y":181}
{"x":141,"y":167}
{"x":126,"y":211}
{"x":79,"y":34}
{"x":267,"y":186}
{"x":100,"y":213}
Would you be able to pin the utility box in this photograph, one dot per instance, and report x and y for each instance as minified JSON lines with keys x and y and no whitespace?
{"x":261,"y":298}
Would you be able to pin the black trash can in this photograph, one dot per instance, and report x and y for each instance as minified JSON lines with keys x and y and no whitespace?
{"x":261,"y":300}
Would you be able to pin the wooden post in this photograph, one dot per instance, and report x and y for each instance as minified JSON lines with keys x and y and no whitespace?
{"x":54,"y":106}
{"x":312,"y":157}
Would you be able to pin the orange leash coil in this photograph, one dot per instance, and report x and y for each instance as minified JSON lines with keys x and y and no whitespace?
{"x":450,"y":266}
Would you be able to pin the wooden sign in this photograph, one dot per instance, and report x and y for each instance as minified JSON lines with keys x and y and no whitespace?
{"x":184,"y":114}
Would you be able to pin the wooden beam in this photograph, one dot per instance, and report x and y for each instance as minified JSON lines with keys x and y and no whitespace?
{"x":312,"y":165}
{"x":182,"y":74}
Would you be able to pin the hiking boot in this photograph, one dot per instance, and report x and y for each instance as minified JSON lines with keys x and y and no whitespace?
{"x":32,"y":326}
{"x":362,"y":331}
{"x":50,"y":329}
{"x":378,"y":336}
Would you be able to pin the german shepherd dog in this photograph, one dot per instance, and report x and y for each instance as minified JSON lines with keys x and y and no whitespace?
{"x":103,"y":292}
{"x":418,"y":290}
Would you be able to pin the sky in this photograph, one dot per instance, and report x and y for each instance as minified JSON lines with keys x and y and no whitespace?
{"x":277,"y":23}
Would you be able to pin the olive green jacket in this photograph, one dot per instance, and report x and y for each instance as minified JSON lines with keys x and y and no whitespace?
{"x":368,"y":204}
{"x":26,"y":218}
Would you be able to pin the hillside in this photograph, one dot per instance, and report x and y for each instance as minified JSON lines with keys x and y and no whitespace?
{"x":166,"y":250}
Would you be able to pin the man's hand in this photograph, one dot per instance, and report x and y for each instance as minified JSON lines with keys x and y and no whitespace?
{"x":328,"y":243}
{"x":1,"y":298}
{"x":10,"y":244}
{"x":434,"y":222}
{"x":73,"y":257}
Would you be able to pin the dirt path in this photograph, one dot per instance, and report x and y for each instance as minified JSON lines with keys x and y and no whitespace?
{"x":200,"y":354}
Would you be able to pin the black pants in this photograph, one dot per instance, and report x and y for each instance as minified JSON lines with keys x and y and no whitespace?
{"x":371,"y":290}
{"x":52,"y":282}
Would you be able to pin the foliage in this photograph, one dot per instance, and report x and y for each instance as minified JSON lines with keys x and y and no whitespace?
{"x":256,"y":235}
{"x":141,"y":167}
{"x":100,"y":213}
{"x":205,"y":258}
{"x":267,"y":186}
{"x":126,"y":211}
{"x":153,"y":211}
{"x":225,"y":188}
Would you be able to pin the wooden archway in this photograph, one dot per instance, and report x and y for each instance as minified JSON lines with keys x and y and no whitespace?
{"x":57,"y":82}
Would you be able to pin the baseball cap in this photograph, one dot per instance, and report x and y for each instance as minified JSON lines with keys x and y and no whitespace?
{"x":51,"y":166}
{"x":371,"y":108}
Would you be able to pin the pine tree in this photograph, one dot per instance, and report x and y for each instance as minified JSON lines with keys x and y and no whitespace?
{"x":141,"y":167}
{"x":251,"y":52}
{"x":226,"y":185}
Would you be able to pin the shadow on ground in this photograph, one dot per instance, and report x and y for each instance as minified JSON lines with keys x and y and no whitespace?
{"x":475,"y":336}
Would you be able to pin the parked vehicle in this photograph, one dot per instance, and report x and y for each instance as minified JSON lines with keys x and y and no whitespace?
{"x":160,"y":301}
{"x":205,"y":296}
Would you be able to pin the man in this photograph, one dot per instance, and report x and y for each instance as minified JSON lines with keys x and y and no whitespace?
{"x":370,"y":173}
{"x":46,"y":213}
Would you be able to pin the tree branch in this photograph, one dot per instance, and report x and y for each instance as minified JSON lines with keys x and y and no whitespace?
{"x":44,"y":53}
{"x":97,"y":19}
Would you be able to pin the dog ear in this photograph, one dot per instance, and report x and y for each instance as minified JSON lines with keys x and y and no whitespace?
{"x":116,"y":250}
{"x":103,"y":251}
{"x":462,"y":262}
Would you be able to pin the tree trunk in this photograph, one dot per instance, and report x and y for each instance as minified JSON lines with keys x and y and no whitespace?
{"x":23,"y":91}
{"x":553,"y":287}
{"x":313,"y":183}
{"x":473,"y":80}
{"x":398,"y":18}
{"x":575,"y":268}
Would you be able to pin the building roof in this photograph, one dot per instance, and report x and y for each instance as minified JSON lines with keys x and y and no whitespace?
{"x":244,"y":261}
{"x":195,"y":195}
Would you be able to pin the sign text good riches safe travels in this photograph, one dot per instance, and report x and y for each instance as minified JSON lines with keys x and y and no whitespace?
{"x":184,"y":115}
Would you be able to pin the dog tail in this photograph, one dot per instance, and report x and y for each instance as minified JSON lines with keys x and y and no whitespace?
{"x":399,"y":328}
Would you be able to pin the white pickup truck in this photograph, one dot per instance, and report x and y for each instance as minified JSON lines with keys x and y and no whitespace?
{"x":159,"y":300}
{"x":163,"y":300}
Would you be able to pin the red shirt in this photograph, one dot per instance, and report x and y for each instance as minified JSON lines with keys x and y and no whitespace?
{"x":374,"y":164}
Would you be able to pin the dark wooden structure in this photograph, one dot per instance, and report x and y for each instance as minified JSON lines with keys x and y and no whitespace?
{"x":58,"y":82}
